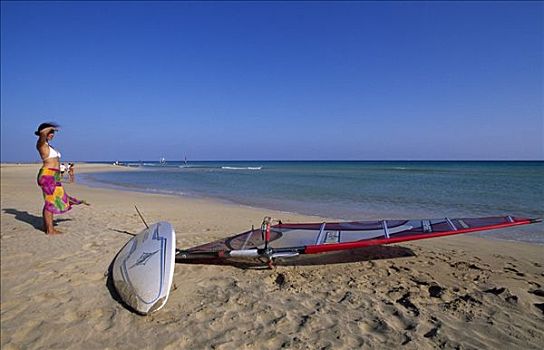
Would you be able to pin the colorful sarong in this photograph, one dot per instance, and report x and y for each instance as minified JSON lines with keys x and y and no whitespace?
{"x":57,"y":201}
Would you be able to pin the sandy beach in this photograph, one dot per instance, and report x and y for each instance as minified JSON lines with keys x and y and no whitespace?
{"x":455,"y":293}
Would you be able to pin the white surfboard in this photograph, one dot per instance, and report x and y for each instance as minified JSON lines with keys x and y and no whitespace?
{"x":143,"y":270}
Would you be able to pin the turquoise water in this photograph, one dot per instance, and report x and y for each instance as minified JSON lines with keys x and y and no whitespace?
{"x":356,"y":190}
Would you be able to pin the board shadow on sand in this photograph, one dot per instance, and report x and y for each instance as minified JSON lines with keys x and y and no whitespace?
{"x":123,"y":231}
{"x":340,"y":257}
{"x":33,"y":220}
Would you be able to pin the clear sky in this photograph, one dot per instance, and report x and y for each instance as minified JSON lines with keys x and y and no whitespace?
{"x":274,"y":80}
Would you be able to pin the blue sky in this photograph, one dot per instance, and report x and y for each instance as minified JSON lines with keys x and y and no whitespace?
{"x":274,"y":80}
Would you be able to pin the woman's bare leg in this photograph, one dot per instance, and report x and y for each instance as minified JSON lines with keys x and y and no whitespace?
{"x":48,"y":223}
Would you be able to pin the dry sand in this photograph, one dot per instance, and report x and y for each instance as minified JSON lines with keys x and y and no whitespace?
{"x":457,"y":292}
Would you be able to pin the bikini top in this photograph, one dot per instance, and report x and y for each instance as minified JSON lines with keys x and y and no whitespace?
{"x":53,"y":153}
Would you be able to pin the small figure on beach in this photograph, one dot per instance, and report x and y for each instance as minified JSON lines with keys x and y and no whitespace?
{"x":56,"y":199}
{"x":71,"y":172}
{"x":62,"y":170}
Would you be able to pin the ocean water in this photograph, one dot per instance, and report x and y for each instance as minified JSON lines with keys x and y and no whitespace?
{"x":354,"y":190}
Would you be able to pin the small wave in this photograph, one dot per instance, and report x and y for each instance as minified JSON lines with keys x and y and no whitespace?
{"x":156,"y":164}
{"x":196,"y":167}
{"x":242,"y":168}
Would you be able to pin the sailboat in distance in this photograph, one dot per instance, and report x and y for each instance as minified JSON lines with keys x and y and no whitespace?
{"x":185,"y":163}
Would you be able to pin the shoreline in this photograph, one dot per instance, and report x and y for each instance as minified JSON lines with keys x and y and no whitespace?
{"x":512,"y":234}
{"x":459,"y":291}
{"x":89,"y":168}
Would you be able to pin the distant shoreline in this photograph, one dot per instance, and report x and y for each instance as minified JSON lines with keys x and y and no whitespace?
{"x":111,"y":162}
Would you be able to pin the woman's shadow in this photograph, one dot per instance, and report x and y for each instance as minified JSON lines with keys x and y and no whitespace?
{"x":33,"y":220}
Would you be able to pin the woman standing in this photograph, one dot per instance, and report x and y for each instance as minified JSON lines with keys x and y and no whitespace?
{"x":71,"y":174}
{"x":56,"y":199}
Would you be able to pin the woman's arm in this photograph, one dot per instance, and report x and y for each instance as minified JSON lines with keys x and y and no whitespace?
{"x":41,"y":145}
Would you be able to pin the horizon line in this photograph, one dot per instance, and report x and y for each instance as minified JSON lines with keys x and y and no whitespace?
{"x":289,"y":160}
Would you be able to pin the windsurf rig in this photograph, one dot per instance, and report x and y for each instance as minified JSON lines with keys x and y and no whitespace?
{"x":142,"y":271}
{"x":275,"y":239}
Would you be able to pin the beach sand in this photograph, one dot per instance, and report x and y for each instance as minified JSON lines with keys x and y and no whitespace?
{"x":456,"y":292}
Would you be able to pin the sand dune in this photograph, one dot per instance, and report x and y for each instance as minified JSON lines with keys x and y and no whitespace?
{"x":457,"y":292}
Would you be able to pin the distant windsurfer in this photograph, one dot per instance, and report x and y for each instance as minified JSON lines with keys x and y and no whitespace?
{"x":56,"y":199}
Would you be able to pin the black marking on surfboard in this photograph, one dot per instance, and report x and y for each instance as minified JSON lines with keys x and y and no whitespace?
{"x":144,"y":258}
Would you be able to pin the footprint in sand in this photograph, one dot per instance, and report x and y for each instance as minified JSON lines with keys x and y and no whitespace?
{"x":510,"y":269}
{"x":30,"y":332}
{"x":93,"y":246}
{"x":407,"y":303}
{"x":432,"y":333}
{"x":495,"y":290}
{"x":537,"y":292}
{"x":100,"y":320}
{"x":512,"y":299}
{"x":435,"y":291}
{"x":537,"y":285}
{"x":70,"y":316}
{"x":406,"y":340}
